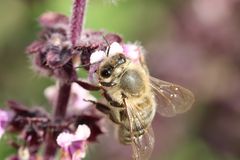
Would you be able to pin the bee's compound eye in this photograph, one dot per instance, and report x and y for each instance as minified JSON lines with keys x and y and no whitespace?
{"x":106,"y":72}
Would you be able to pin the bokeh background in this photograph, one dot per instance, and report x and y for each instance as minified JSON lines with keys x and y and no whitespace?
{"x":194,"y":43}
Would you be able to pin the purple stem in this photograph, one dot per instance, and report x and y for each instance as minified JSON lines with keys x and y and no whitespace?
{"x":77,"y":20}
{"x":60,"y":109}
{"x":63,"y":96}
{"x":59,"y":114}
{"x":50,"y":149}
{"x":65,"y":87}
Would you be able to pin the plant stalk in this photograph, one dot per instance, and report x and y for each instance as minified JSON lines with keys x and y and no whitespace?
{"x":76,"y":26}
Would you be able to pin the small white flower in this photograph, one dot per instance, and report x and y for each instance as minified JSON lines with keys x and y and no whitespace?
{"x":115,"y":48}
{"x":97,"y":56}
{"x":82,"y":132}
{"x":74,"y":144}
{"x":64,"y":139}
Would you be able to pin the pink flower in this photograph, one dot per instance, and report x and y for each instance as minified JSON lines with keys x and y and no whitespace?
{"x":77,"y":98}
{"x":209,"y":16}
{"x":5,"y":118}
{"x":133,"y":52}
{"x":74,"y":145}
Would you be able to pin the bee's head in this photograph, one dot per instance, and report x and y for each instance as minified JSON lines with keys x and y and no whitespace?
{"x":111,"y":69}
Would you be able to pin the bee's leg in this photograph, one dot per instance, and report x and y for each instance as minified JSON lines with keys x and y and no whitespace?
{"x":111,"y":101}
{"x":114,"y":115}
{"x":101,"y":107}
{"x":87,"y":85}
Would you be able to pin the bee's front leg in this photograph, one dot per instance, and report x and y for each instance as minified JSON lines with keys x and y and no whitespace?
{"x":113,"y":114}
{"x":87,"y":85}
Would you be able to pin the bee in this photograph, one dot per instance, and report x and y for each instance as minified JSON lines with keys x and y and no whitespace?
{"x":135,"y":97}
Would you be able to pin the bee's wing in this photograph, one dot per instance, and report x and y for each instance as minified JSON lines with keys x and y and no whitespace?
{"x":142,"y":146}
{"x":171,"y":98}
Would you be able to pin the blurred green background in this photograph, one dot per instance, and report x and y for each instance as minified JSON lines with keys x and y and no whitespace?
{"x":194,"y":43}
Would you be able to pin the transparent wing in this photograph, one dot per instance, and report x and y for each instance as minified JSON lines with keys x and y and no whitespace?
{"x":171,"y":98}
{"x":142,"y":144}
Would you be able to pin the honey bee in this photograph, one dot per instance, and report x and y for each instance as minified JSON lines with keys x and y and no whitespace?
{"x":133,"y":95}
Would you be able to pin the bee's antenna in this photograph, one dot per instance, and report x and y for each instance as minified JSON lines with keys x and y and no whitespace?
{"x":85,"y":65}
{"x":108,"y":49}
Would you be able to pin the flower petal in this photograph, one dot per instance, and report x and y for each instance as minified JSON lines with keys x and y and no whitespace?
{"x":78,"y":155}
{"x":82,"y":133}
{"x":65,"y":139}
{"x":5,"y":118}
{"x":97,"y":56}
{"x":132,"y":51}
{"x":51,"y":93}
{"x":78,"y":94}
{"x":115,"y":48}
{"x":76,"y":100}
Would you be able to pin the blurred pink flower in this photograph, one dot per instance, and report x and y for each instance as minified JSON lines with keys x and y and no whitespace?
{"x":209,"y":16}
{"x":5,"y":118}
{"x":133,"y":51}
{"x":74,"y":145}
{"x":77,"y":98}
